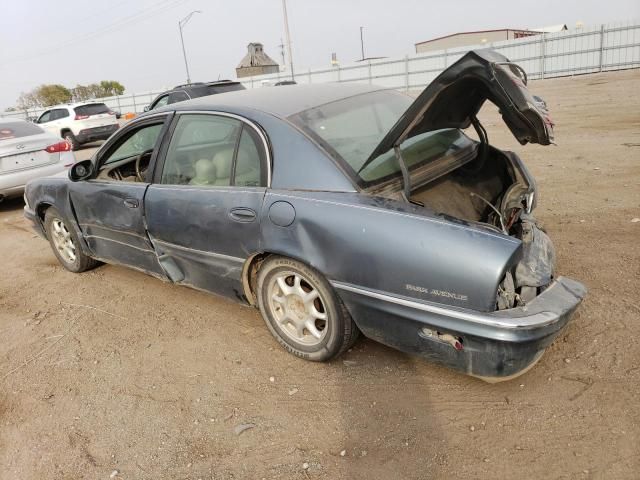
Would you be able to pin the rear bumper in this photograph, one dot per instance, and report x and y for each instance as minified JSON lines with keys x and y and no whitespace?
{"x":12,"y":184}
{"x":495,"y":345}
{"x":98,"y":133}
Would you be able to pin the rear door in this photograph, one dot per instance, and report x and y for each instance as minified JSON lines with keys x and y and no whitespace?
{"x":59,"y":119}
{"x":110,"y":211}
{"x":46,"y":122}
{"x":203,"y":209}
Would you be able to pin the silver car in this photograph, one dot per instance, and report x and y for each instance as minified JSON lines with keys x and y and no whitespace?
{"x":28,"y":152}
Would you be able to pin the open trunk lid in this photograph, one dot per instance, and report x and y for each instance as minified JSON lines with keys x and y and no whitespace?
{"x":455,"y":97}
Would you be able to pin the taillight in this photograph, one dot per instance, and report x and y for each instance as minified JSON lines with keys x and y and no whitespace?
{"x":58,"y":147}
{"x":81,"y":117}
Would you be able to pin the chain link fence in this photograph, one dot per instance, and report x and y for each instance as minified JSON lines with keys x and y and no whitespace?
{"x":571,"y":52}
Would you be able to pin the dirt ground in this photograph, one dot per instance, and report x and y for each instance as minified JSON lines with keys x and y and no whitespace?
{"x":113,"y":371}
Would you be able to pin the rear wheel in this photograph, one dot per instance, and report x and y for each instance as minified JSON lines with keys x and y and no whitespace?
{"x":65,"y":244}
{"x":71,"y":140}
{"x":302,"y":310}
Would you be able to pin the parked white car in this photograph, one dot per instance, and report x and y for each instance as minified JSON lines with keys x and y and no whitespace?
{"x":28,"y":152}
{"x":80,"y":123}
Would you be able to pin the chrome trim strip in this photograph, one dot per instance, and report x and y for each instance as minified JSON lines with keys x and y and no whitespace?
{"x":204,"y":188}
{"x":536,"y":320}
{"x":119,"y":243}
{"x":252,"y":124}
{"x":202,"y":252}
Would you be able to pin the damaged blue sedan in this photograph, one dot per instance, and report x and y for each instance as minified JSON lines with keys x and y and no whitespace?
{"x":337,"y":210}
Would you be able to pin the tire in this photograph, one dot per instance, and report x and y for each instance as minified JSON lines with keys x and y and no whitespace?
{"x":65,"y":244}
{"x":72,"y":140}
{"x":302,"y":310}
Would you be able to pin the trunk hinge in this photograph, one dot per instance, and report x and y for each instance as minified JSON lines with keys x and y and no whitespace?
{"x":406,"y":179}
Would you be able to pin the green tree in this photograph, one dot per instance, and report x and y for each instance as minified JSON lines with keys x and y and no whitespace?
{"x":52,"y":94}
{"x":111,"y":88}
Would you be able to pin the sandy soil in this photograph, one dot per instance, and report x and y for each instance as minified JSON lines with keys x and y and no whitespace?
{"x":150,"y":380}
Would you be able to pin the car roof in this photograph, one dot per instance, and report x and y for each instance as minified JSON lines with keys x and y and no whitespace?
{"x":281,"y":102}
{"x":203,"y":84}
{"x":73,"y":105}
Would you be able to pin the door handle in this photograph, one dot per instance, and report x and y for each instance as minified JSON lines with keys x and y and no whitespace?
{"x":242,"y":214}
{"x":131,"y":202}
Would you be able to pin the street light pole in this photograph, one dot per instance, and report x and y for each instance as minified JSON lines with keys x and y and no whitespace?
{"x":181,"y":24}
{"x":286,"y":31}
{"x":361,"y":43}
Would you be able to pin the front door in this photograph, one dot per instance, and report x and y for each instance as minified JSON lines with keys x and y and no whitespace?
{"x":203,"y":208}
{"x":110,"y":207}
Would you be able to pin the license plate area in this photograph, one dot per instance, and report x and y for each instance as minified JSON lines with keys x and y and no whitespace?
{"x":24,"y":161}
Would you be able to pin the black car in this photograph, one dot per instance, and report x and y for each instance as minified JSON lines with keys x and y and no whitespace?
{"x":285,"y":82}
{"x":335,"y":209}
{"x":193,"y":90}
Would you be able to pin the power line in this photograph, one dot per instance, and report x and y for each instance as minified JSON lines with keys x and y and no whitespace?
{"x":144,"y":14}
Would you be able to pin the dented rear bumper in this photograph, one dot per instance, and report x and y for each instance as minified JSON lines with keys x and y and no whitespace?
{"x":496,"y":345}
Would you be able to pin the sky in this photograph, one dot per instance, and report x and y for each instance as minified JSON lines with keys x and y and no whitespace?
{"x":137,"y":42}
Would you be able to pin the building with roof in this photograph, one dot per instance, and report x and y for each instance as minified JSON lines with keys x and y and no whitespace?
{"x":480,"y":37}
{"x":256,"y":62}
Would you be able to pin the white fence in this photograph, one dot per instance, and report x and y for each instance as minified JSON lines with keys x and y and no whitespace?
{"x":571,"y":52}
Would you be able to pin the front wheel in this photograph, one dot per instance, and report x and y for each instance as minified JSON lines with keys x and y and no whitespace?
{"x":302,"y":310}
{"x":65,"y":244}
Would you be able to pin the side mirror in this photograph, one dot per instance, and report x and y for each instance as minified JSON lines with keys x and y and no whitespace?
{"x":146,"y":109}
{"x":81,"y":171}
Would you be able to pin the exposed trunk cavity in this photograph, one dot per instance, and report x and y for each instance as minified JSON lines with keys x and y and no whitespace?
{"x":459,"y":192}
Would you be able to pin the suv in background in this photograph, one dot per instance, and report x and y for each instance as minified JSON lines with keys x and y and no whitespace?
{"x":79,"y":123}
{"x":193,"y":90}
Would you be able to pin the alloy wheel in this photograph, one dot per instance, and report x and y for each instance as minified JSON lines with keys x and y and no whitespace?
{"x":63,"y":241}
{"x":297,"y":307}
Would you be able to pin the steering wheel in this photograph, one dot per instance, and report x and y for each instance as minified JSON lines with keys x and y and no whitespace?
{"x":139,"y":176}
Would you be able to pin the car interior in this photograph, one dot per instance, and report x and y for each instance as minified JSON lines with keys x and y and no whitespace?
{"x":204,"y":151}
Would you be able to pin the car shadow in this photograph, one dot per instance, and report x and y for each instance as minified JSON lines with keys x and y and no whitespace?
{"x":11,"y":204}
{"x":390,"y":428}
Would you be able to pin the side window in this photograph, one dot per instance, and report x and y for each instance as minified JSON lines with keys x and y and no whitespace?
{"x":161,"y":103}
{"x":176,"y":97}
{"x":58,"y":113}
{"x":201,"y":151}
{"x":135,"y":142}
{"x":248,"y":160}
{"x":45,"y":117}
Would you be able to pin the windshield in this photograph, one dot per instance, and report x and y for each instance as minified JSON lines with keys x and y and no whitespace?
{"x":352,"y":128}
{"x":18,"y":129}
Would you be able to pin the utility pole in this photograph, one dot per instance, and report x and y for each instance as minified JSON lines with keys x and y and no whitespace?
{"x":361,"y":43}
{"x":284,"y":62}
{"x":181,"y":24}
{"x":288,"y":35}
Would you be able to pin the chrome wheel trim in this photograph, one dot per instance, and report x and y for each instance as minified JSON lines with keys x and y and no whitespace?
{"x":62,"y":240}
{"x":297,"y":307}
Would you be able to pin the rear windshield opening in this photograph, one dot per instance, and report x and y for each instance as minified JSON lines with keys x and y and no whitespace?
{"x":18,"y":129}
{"x":92,"y":109}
